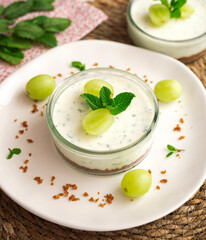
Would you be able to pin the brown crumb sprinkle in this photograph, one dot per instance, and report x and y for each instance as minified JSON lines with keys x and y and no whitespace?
{"x":86,"y":194}
{"x":24,"y":124}
{"x":181,"y":120}
{"x":24,"y":168}
{"x":128,"y":69}
{"x":73,"y":198}
{"x":71,"y":72}
{"x":35,"y":108}
{"x":95,"y":64}
{"x":52,"y":180}
{"x":15,"y":120}
{"x":30,"y":154}
{"x":109,"y":198}
{"x":42,"y":114}
{"x":181,"y":137}
{"x":102,"y":205}
{"x":149,"y":171}
{"x":177,"y":155}
{"x":39,"y":180}
{"x":132,"y":200}
{"x":21,"y":131}
{"x":158,"y":187}
{"x":164,"y":180}
{"x":17,"y":136}
{"x":30,"y":140}
{"x":91,"y":199}
{"x":163,"y":172}
{"x":110,"y":66}
{"x":26,"y":161}
{"x":56,"y":196}
{"x":96,"y":200}
{"x":177,"y":128}
{"x":59,"y":75}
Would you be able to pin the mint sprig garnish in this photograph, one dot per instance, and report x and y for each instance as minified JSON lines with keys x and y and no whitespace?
{"x":172,"y":150}
{"x":13,"y":151}
{"x":174,"y":7}
{"x":114,"y":105}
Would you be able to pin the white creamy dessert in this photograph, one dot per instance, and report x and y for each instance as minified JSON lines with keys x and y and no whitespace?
{"x":123,"y":145}
{"x":177,"y":38}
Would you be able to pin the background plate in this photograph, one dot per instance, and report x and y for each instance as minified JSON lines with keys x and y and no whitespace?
{"x":185,"y":174}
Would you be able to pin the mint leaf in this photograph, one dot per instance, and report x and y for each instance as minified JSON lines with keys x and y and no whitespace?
{"x":42,"y":5}
{"x":15,"y":42}
{"x":13,"y":151}
{"x":121,"y":102}
{"x":78,"y":65}
{"x":105,"y":96}
{"x":56,"y":25}
{"x":93,"y":101}
{"x":37,"y":20}
{"x":13,"y":57}
{"x":177,"y":3}
{"x":17,"y":9}
{"x":4,"y":25}
{"x":166,"y":3}
{"x":1,"y":9}
{"x":169,"y":154}
{"x":49,"y":39}
{"x":171,"y":148}
{"x":14,"y":53}
{"x":28,"y":30}
{"x":176,"y":13}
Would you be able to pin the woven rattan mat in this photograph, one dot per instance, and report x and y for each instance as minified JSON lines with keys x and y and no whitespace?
{"x":187,"y":222}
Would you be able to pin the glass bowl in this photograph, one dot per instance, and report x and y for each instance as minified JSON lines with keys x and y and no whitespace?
{"x":121,"y":147}
{"x":165,"y":39}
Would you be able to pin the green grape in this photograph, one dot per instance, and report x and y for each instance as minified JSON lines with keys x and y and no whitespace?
{"x":94,"y":86}
{"x":159,"y":14}
{"x":136,"y":183}
{"x":186,"y":11}
{"x":168,"y":90}
{"x":98,"y":121}
{"x":40,"y":87}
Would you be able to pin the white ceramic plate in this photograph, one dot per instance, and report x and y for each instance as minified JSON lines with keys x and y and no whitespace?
{"x":185,"y":175}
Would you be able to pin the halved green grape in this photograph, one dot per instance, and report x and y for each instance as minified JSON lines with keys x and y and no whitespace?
{"x":168,"y":90}
{"x":136,"y":183}
{"x":98,"y":121}
{"x":186,"y":10}
{"x":40,"y":87}
{"x":94,"y":86}
{"x":159,"y":14}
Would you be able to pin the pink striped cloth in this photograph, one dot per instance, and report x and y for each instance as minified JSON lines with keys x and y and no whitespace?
{"x":84,"y":19}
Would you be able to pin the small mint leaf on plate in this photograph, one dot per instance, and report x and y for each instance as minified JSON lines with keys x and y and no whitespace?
{"x":78,"y":65}
{"x":13,"y":151}
{"x":171,"y":148}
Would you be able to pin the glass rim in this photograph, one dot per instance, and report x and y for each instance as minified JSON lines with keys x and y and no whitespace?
{"x":74,"y":147}
{"x":129,"y":15}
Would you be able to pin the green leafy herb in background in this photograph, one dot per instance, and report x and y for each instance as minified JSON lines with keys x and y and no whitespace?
{"x":17,"y":37}
{"x":28,"y":30}
{"x":114,"y":105}
{"x":13,"y":151}
{"x":78,"y":65}
{"x":42,"y":5}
